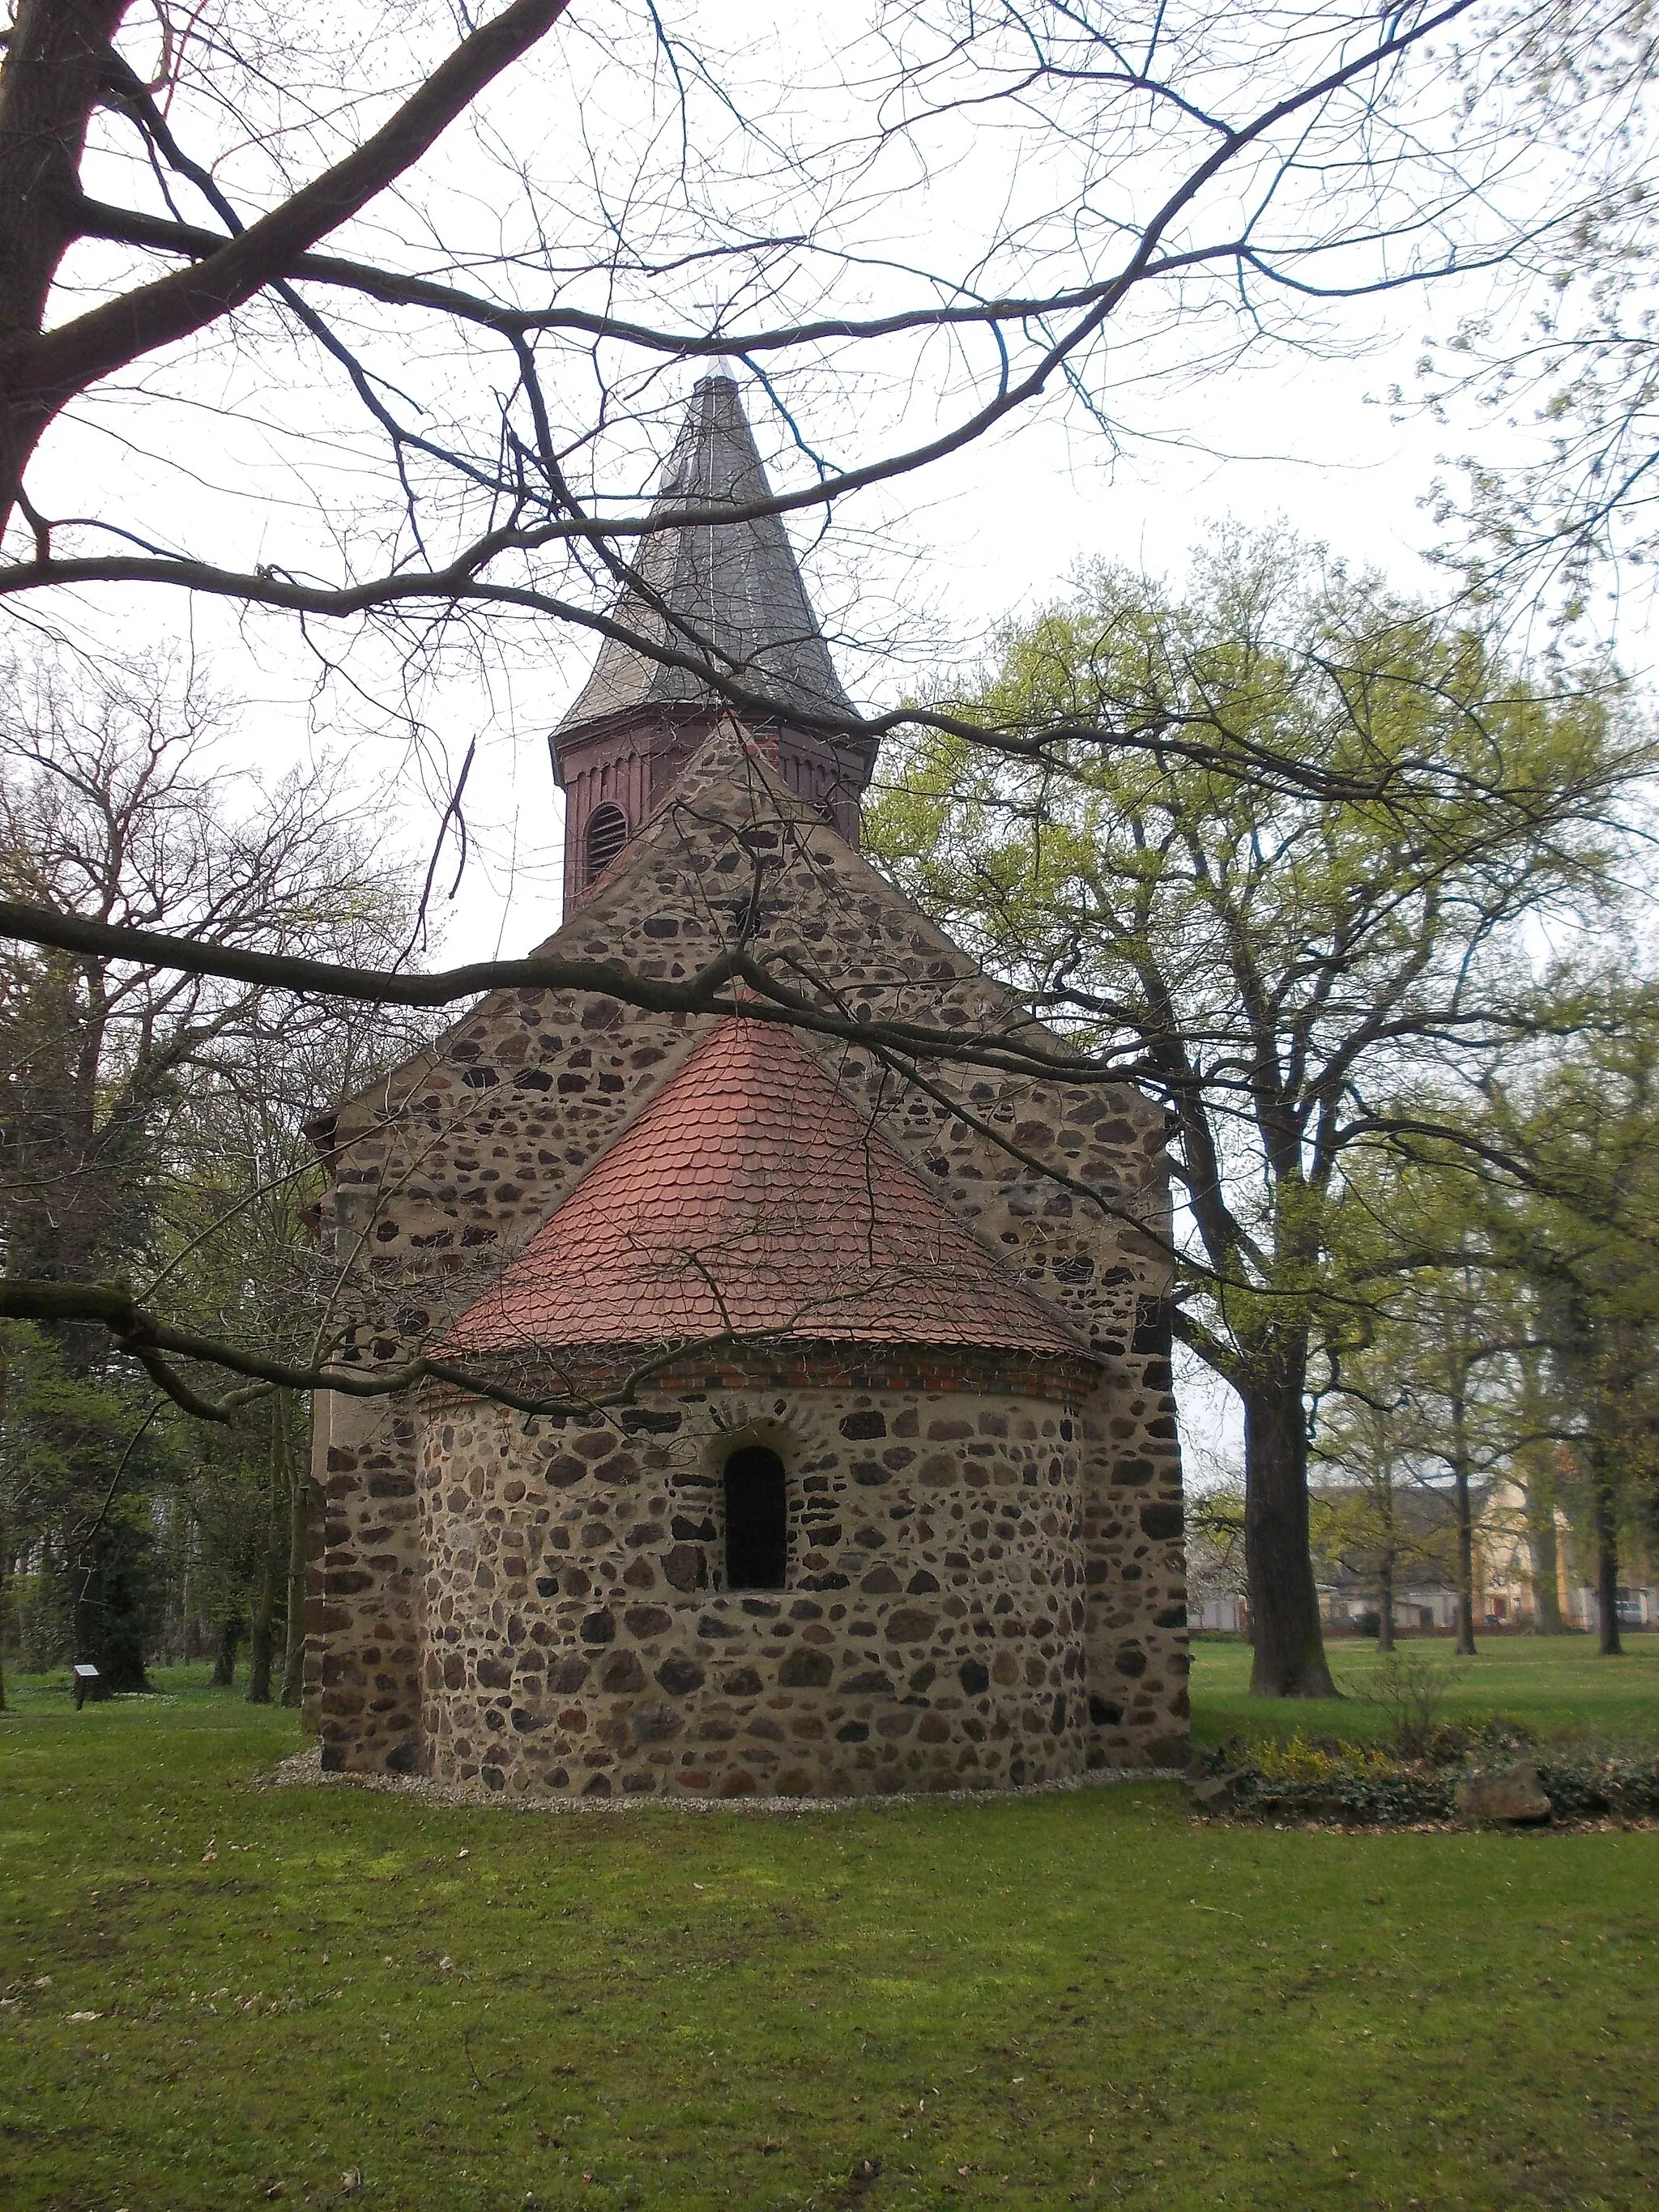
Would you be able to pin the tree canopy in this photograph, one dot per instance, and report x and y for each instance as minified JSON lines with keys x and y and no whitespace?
{"x":1303,"y":981}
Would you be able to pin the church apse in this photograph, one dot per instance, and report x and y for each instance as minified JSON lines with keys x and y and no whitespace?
{"x":865,"y":1473}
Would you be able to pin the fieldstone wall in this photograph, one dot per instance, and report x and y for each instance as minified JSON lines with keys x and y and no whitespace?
{"x":930,"y":1637}
{"x":442,"y":1171}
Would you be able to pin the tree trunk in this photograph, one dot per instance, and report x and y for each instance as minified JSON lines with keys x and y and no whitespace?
{"x":1536,"y":1465}
{"x":111,"y":1609}
{"x":1606,"y":1566}
{"x":1290,"y":1646}
{"x":224,"y":1658}
{"x":1544,"y":1551}
{"x":1465,"y":1559}
{"x":273,"y":1567}
{"x":58,"y":53}
{"x":293,"y":1669}
{"x":1385,"y":1601}
{"x":262,"y":1639}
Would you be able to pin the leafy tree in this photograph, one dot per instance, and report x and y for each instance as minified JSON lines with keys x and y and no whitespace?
{"x":120,"y":1081}
{"x":1584,"y":1138}
{"x":245,"y":1268}
{"x":1276,"y":966}
{"x":1360,"y":1511}
{"x":79,"y":1453}
{"x":1559,"y":493}
{"x":1458,"y":1354}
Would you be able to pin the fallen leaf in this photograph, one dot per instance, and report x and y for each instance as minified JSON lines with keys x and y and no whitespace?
{"x":86,"y":2015}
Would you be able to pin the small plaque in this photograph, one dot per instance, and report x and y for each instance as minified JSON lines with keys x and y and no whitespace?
{"x":86,"y":1674}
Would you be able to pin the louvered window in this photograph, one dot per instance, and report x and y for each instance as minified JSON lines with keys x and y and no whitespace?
{"x":607,"y":833}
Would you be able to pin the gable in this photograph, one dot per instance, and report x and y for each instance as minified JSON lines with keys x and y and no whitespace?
{"x":452,"y":1162}
{"x":751,"y":1199}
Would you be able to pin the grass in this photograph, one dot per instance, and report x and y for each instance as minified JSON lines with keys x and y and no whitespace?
{"x":1087,"y":1999}
{"x":1559,"y":1685}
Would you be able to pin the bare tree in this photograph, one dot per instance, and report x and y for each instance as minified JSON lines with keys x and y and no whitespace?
{"x":1180,"y":189}
{"x":110,"y":803}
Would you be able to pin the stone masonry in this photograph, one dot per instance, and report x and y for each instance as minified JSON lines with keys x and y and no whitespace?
{"x":443,"y":1171}
{"x":931,"y":1635}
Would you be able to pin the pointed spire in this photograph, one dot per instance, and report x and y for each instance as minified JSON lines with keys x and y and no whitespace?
{"x":734,"y":587}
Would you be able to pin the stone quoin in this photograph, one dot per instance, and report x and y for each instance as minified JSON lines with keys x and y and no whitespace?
{"x":863,"y":1475}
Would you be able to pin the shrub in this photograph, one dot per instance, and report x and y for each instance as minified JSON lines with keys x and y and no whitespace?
{"x":1375,"y":1793}
{"x":1587,"y":1789}
{"x":1496,"y":1736}
{"x":1411,"y":1690}
{"x":1306,"y":1780}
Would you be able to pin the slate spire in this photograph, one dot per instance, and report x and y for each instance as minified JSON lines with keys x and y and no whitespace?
{"x":734,"y":587}
{"x":728,"y":592}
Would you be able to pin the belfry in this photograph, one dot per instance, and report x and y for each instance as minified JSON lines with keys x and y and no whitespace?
{"x":806,"y":1425}
{"x":731,"y":591}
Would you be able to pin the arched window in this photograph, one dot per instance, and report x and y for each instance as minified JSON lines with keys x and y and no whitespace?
{"x":607,"y":833}
{"x":756,"y":1520}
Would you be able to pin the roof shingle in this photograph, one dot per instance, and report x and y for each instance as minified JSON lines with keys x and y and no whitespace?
{"x":751,"y":1199}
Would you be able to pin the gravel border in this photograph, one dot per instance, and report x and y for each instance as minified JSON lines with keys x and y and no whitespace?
{"x":303,"y":1770}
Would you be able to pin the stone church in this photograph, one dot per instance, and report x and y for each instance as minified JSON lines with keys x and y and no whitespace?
{"x":807,"y":1425}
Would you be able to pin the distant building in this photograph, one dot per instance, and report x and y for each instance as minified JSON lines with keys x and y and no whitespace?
{"x":1349,"y":1576}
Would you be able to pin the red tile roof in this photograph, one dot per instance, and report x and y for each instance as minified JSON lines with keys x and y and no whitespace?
{"x":751,"y":1199}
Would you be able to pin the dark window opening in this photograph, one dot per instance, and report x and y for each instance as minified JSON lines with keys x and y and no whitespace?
{"x":756,"y":1520}
{"x":607,"y":833}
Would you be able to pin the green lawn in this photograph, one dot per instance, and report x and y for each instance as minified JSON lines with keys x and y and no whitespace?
{"x":1559,"y":1685}
{"x":1084,"y":1999}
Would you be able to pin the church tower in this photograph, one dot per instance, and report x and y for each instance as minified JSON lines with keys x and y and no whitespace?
{"x":728,"y":595}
